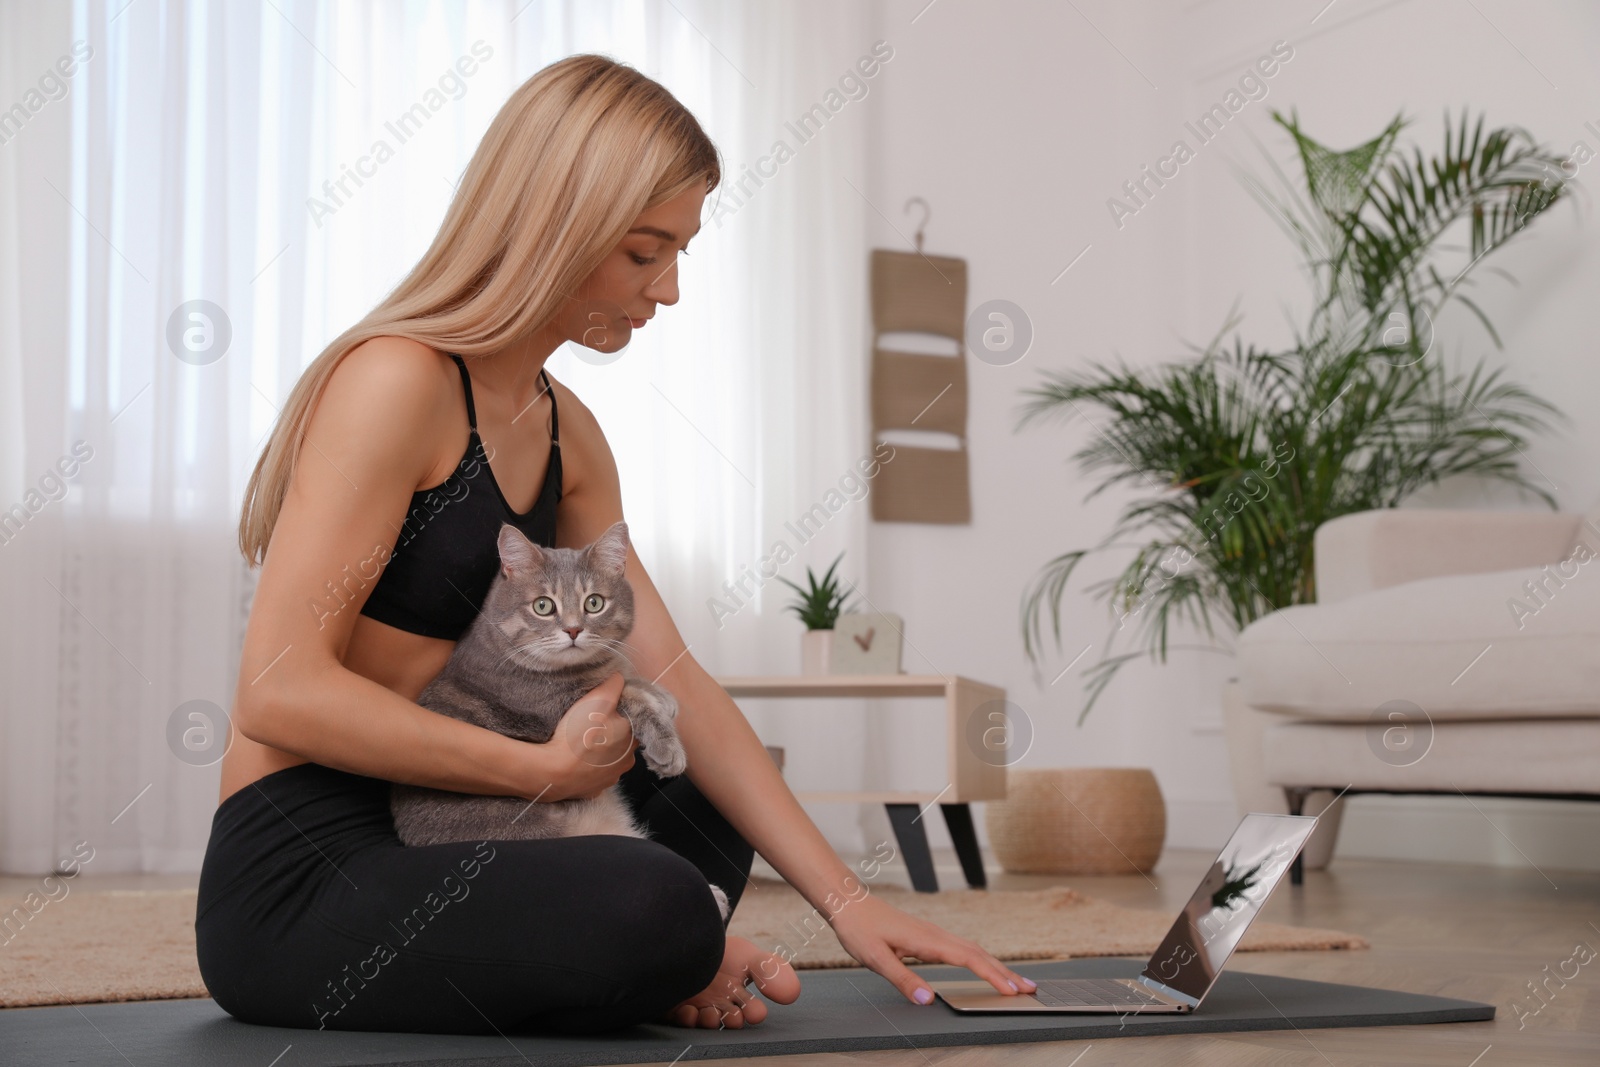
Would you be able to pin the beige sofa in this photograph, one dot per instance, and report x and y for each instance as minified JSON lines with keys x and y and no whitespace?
{"x":1448,"y":652}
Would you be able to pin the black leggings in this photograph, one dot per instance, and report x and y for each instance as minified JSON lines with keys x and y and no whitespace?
{"x":312,"y":914}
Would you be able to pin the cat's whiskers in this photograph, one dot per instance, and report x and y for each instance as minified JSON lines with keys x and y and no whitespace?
{"x":613,"y":644}
{"x":524,"y":655}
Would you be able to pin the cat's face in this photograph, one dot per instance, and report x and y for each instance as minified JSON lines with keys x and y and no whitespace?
{"x":562,"y":607}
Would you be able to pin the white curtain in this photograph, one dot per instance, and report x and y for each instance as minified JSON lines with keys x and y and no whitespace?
{"x":195,"y":152}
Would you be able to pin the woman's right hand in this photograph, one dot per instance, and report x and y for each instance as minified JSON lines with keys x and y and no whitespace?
{"x":592,"y":747}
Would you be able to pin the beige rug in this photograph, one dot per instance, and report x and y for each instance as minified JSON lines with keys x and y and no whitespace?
{"x":109,"y":945}
{"x":97,"y":945}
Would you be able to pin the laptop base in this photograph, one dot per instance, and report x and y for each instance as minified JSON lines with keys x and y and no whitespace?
{"x":1079,"y":996}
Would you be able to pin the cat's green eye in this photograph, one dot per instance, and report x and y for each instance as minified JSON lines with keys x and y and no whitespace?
{"x":543,"y":606}
{"x":594,"y":602}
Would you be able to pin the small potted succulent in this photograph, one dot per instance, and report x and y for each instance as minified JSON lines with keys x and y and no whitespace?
{"x":818,"y":607}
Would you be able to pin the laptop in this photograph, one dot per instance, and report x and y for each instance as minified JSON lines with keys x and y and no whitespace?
{"x":1186,"y":963}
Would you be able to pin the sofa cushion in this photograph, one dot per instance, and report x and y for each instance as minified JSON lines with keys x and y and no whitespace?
{"x":1367,"y":550}
{"x":1522,"y":642}
{"x":1526,"y":756}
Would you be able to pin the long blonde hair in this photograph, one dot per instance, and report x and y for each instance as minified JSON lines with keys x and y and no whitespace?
{"x":572,"y":158}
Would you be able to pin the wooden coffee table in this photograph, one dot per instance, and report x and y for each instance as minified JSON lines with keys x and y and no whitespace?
{"x":975,"y":757}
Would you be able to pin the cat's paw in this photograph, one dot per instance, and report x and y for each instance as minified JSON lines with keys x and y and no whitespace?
{"x":644,"y":698}
{"x":664,"y":754}
{"x":722,"y":902}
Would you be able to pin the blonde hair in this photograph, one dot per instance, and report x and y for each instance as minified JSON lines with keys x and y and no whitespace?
{"x":572,"y":158}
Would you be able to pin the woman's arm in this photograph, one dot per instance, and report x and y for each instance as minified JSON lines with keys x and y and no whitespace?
{"x":366,"y":450}
{"x":731,"y":767}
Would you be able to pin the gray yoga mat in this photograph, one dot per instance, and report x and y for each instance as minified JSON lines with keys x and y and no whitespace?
{"x":841,"y":1010}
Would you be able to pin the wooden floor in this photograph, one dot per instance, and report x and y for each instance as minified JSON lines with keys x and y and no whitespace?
{"x":1480,"y":933}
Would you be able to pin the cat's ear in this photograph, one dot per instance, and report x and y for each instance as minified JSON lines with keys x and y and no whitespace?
{"x":518,"y":555}
{"x":609,"y":552}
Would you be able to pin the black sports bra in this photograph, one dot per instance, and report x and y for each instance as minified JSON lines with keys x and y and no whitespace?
{"x":447,"y":551}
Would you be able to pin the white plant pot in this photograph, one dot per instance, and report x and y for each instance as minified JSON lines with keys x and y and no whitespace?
{"x":1243,"y":726}
{"x":816,"y":652}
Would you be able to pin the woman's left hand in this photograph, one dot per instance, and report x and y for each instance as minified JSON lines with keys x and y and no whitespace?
{"x":877,"y":934}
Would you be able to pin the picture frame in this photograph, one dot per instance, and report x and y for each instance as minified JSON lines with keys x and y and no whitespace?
{"x":867,"y":643}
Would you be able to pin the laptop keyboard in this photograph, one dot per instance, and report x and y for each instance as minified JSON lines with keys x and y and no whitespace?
{"x":1091,"y":992}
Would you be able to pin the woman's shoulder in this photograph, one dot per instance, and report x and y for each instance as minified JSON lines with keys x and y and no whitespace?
{"x":396,"y":366}
{"x":398,"y":381}
{"x":393,"y":395}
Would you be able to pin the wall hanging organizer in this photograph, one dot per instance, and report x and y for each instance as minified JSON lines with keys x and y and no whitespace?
{"x":917,"y":293}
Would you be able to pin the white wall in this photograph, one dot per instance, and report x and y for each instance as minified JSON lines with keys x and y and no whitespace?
{"x":1017,"y":120}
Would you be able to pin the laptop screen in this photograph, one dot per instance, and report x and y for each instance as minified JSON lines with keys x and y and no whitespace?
{"x":1232,"y":891}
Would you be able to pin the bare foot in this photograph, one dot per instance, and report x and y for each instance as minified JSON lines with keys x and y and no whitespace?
{"x":726,"y":1002}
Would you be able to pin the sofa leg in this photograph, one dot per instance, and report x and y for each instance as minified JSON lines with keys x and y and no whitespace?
{"x":1297,"y":801}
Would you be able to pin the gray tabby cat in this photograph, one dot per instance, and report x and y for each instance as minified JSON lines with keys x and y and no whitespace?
{"x":551,"y":629}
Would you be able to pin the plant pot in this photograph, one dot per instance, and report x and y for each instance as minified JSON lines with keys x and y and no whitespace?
{"x":1077,"y":820}
{"x":1244,"y":726}
{"x":816,"y":652}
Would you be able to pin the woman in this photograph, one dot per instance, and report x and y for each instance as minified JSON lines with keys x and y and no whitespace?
{"x":375,"y":530}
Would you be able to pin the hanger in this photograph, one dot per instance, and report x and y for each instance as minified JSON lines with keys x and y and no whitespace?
{"x":927,"y":213}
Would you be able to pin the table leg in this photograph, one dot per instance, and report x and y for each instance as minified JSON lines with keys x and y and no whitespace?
{"x":958,"y":817}
{"x":908,"y":830}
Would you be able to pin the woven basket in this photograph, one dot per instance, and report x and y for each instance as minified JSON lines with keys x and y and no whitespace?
{"x":1077,"y":820}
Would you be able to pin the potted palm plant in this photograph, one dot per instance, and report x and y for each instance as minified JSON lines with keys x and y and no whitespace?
{"x":1241,"y":452}
{"x":818,"y":606}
